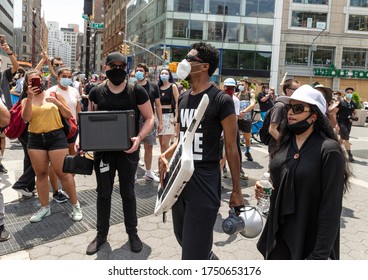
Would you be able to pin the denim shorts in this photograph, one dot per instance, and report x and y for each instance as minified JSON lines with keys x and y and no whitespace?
{"x":53,"y":140}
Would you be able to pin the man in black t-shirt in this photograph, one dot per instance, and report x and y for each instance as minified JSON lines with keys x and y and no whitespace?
{"x":195,"y":212}
{"x":111,"y":96}
{"x":150,"y":140}
{"x":346,"y":114}
{"x":264,"y":100}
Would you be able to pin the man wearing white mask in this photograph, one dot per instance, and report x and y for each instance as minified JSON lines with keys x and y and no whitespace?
{"x":346,"y":114}
{"x":195,"y":212}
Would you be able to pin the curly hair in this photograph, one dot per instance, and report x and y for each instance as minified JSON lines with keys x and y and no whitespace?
{"x":322,"y":128}
{"x":208,"y":54}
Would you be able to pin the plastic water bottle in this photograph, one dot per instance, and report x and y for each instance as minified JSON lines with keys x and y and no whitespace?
{"x":263,"y":204}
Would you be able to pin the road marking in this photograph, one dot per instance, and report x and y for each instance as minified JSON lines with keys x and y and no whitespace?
{"x":358,"y":182}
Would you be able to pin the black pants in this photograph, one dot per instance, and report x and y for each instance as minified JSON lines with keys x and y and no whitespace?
{"x":106,"y":165}
{"x":195,"y":213}
{"x":27,"y":180}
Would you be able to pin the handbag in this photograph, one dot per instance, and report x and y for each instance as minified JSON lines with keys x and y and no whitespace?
{"x":16,"y":125}
{"x":70,"y":125}
{"x":77,"y":165}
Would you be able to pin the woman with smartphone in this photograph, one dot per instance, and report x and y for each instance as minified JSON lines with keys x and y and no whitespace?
{"x":47,"y":142}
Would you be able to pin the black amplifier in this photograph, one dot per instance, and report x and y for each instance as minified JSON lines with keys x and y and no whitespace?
{"x":106,"y":130}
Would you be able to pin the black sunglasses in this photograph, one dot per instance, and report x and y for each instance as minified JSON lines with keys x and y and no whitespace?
{"x":297,"y":108}
{"x":190,"y":58}
{"x":114,"y":66}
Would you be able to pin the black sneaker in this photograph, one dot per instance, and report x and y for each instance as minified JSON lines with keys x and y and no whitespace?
{"x":3,"y":169}
{"x":351,"y":159}
{"x":4,"y":234}
{"x":59,"y":197}
{"x":95,"y":245}
{"x":249,"y":156}
{"x":135,"y":243}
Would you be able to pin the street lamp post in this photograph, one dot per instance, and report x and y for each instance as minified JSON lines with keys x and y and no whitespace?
{"x":312,"y":48}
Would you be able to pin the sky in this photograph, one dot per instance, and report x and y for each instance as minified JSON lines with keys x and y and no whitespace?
{"x":61,"y":11}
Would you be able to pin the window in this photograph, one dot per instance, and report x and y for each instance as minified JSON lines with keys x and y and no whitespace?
{"x":296,"y":55}
{"x":194,"y":6}
{"x":262,"y":61}
{"x":309,"y":19}
{"x":180,"y":28}
{"x":358,"y":23}
{"x":246,"y":60}
{"x":359,"y":3}
{"x":225,"y":7}
{"x":196,"y":29}
{"x":260,"y":8}
{"x":24,"y":8}
{"x":258,"y":34}
{"x":353,"y":58}
{"x":24,"y":39}
{"x":322,"y":2}
{"x":323,"y":56}
{"x":24,"y":18}
{"x":24,"y":28}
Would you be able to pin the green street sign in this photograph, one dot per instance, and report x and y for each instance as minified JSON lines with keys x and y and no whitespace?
{"x":97,"y":25}
{"x":84,"y":16}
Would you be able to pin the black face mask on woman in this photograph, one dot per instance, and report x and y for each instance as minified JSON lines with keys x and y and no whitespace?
{"x":116,"y":76}
{"x":301,"y":126}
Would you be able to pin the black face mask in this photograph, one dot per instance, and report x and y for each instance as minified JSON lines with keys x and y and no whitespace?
{"x":300,"y":127}
{"x":116,"y":76}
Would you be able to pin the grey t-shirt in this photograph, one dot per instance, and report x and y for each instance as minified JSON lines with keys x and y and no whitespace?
{"x":5,"y":78}
{"x":277,"y":116}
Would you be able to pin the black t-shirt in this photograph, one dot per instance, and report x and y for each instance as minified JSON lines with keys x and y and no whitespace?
{"x":153,"y":93}
{"x":206,"y":145}
{"x":346,"y":109}
{"x":264,"y":106}
{"x":109,"y":101}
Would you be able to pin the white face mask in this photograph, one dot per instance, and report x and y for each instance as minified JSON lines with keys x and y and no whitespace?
{"x":183,"y":69}
{"x":241,"y":88}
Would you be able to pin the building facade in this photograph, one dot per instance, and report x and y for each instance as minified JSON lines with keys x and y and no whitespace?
{"x":57,"y":47}
{"x":7,"y":29}
{"x":326,"y":41}
{"x":70,"y":36}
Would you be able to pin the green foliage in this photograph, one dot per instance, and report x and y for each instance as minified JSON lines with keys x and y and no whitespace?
{"x":356,"y":99}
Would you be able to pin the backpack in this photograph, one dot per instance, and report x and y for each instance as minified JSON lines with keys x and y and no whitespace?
{"x":16,"y":125}
{"x":264,"y":134}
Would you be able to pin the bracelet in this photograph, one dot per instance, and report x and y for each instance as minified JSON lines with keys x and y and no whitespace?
{"x":10,"y":53}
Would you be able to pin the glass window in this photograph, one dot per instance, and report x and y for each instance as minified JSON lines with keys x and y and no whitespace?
{"x":195,"y":6}
{"x":258,"y":34}
{"x":217,"y":31}
{"x":24,"y":8}
{"x":178,"y":54}
{"x":323,"y":2}
{"x":246,"y":59}
{"x":309,"y":19}
{"x":352,"y":58}
{"x":358,"y":23}
{"x":262,"y":61}
{"x":296,"y":55}
{"x":359,"y":3}
{"x":180,"y":28}
{"x":225,"y":7}
{"x":196,"y":29}
{"x":323,"y":56}
{"x":230,"y":59}
{"x":260,"y":8}
{"x":25,"y":39}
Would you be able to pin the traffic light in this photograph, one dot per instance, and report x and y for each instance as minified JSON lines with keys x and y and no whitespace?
{"x":127,"y":49}
{"x":122,"y":49}
{"x":166,"y":55}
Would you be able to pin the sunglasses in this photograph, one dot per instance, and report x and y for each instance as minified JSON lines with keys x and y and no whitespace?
{"x":297,"y":108}
{"x":190,"y":58}
{"x":114,"y":66}
{"x":57,"y":64}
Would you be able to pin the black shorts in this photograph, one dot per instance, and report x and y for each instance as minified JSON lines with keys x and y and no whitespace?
{"x":344,"y":130}
{"x":53,"y":140}
{"x":245,"y":125}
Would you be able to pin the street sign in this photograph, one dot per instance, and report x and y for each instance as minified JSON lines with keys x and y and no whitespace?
{"x":84,"y":16}
{"x":97,"y":25}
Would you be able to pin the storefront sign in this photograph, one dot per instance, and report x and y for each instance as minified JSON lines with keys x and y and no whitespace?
{"x":340,"y":73}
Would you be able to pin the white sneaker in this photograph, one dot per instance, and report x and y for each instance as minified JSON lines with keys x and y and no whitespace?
{"x":77,"y":212}
{"x":141,"y":163}
{"x":43,"y":212}
{"x":151,"y":177}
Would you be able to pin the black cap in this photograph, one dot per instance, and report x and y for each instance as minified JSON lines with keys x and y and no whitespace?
{"x":115,"y":56}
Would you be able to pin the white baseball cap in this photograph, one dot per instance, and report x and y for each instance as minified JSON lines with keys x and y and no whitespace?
{"x":230,"y":82}
{"x":307,"y":94}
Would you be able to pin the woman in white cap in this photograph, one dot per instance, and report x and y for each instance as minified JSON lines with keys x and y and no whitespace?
{"x":310,"y":175}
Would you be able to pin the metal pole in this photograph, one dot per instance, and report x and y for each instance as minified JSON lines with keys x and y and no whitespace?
{"x":136,"y":45}
{"x":88,"y":34}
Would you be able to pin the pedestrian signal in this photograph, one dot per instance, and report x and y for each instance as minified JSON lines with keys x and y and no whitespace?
{"x":166,"y":55}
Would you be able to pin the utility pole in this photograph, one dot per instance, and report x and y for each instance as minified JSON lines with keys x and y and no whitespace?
{"x":88,"y":34}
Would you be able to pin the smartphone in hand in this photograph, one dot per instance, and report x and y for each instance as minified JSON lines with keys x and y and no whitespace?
{"x":2,"y":39}
{"x":36,"y":82}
